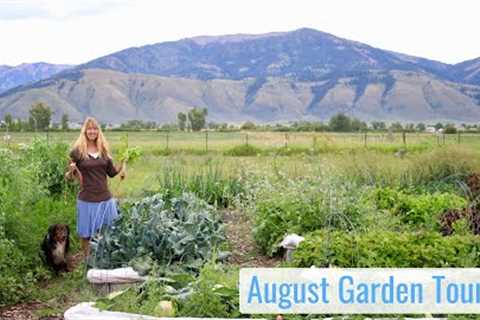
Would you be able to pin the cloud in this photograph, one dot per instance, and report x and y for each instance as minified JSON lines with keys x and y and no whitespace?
{"x":56,"y":9}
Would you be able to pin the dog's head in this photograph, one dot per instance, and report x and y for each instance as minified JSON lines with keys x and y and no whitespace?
{"x":59,"y":232}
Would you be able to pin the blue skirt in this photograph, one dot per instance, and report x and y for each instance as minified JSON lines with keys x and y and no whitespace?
{"x":91,"y":216}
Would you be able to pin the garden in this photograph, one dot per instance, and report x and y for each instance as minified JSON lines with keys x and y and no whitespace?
{"x":190,"y":221}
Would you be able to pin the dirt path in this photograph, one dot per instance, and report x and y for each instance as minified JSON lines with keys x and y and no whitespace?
{"x":21,"y":311}
{"x":244,"y":251}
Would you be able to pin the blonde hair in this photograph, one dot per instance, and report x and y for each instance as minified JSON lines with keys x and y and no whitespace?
{"x":101,"y":142}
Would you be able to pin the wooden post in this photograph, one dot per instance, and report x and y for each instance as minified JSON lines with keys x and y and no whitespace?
{"x":246,"y":139}
{"x":286,"y":140}
{"x":404,"y":137}
{"x":206,"y":141}
{"x":443,"y":134}
{"x":365,"y":139}
{"x":167,"y":139}
{"x":458,"y":137}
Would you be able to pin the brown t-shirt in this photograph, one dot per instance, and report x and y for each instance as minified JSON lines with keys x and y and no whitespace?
{"x":94,"y":176}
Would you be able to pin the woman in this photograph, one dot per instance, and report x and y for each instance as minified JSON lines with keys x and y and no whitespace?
{"x":91,"y":162}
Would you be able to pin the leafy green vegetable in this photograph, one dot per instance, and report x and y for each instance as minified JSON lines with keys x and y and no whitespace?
{"x":131,"y":155}
{"x":126,"y":154}
{"x":185,"y":231}
{"x":387,"y":249}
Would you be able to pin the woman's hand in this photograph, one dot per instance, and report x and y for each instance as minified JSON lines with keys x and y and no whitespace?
{"x":72,"y":168}
{"x":122,"y":170}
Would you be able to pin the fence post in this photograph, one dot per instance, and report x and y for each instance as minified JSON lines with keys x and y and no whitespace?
{"x":167,"y":139}
{"x":365,"y":140}
{"x":246,"y":139}
{"x":443,"y":136}
{"x":458,"y":137}
{"x":206,"y":141}
{"x":286,"y":140}
{"x":404,"y":137}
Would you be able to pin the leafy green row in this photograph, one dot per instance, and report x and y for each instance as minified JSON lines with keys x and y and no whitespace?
{"x":184,"y":230}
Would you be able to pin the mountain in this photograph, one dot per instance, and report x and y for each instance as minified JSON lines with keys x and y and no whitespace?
{"x":304,"y":54}
{"x":26,"y":73}
{"x":469,"y":71}
{"x":282,"y":76}
{"x":116,"y":97}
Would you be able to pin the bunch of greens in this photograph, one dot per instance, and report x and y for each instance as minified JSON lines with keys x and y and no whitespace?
{"x":128,"y":155}
{"x":184,"y":230}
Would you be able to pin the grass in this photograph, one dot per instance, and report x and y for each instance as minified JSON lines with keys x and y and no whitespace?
{"x":66,"y":290}
{"x":164,"y":143}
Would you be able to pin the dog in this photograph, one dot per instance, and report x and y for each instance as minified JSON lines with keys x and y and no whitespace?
{"x":55,"y":247}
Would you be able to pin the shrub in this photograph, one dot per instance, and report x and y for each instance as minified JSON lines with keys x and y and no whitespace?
{"x":27,"y":176}
{"x":16,"y":277}
{"x":47,"y":163}
{"x":304,"y":206}
{"x":387,"y":249}
{"x":244,"y":150}
{"x":418,"y":210}
{"x":215,"y":294}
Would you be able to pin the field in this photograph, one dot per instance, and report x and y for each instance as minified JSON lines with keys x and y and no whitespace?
{"x":390,"y":198}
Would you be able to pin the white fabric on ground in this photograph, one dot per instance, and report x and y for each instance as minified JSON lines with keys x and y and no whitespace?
{"x":120,"y":275}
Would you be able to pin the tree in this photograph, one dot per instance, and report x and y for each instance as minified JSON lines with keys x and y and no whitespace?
{"x":421,"y":127}
{"x":396,"y":126}
{"x":196,"y":117}
{"x":410,"y":127}
{"x":438,"y":126}
{"x":358,"y":125}
{"x":40,"y":115}
{"x":65,"y":122}
{"x":182,"y":120}
{"x":340,"y":123}
{"x":249,"y":125}
{"x":378,"y":125}
{"x":450,"y":129}
{"x":8,"y":119}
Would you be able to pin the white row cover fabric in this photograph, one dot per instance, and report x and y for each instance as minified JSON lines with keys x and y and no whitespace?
{"x":291,"y":241}
{"x":86,"y":311}
{"x":120,"y":275}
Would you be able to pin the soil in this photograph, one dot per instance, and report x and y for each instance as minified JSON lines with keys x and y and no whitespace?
{"x":22,"y":311}
{"x":240,"y":237}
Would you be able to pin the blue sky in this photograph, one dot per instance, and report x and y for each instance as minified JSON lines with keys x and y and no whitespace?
{"x":76,"y":31}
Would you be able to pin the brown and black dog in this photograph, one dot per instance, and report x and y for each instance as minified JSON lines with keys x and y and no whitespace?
{"x":55,"y":246}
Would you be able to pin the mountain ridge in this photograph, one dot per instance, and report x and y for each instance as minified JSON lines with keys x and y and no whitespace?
{"x":322,"y":74}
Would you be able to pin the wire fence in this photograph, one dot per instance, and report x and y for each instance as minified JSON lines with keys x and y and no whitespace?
{"x":207,"y":141}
